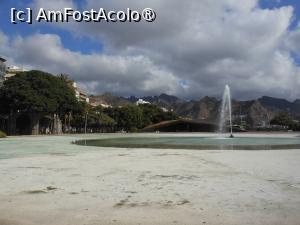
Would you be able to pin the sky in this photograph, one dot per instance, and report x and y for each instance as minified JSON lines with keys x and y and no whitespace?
{"x":193,"y":48}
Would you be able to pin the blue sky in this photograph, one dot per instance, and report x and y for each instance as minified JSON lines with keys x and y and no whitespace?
{"x":270,"y":4}
{"x":75,"y":43}
{"x":182,"y":56}
{"x":86,"y":44}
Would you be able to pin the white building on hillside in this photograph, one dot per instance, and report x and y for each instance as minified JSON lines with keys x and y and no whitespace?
{"x":12,"y":71}
{"x":2,"y":69}
{"x":142,"y":102}
{"x":80,"y":94}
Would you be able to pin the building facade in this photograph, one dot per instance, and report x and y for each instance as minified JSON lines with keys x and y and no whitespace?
{"x":12,"y":71}
{"x":2,"y":69}
{"x":80,"y":94}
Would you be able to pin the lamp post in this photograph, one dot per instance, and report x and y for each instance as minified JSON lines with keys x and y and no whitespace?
{"x":85,"y":125}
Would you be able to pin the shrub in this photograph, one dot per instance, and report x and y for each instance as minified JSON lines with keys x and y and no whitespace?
{"x":2,"y":134}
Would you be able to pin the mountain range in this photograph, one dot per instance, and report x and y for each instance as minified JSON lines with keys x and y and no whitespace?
{"x":257,"y":113}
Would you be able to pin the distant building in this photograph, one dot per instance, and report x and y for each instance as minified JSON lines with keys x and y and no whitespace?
{"x":95,"y":103}
{"x":142,"y":102}
{"x":80,"y":94}
{"x":101,"y":104}
{"x":12,"y":71}
{"x":2,"y":69}
{"x":165,"y":109}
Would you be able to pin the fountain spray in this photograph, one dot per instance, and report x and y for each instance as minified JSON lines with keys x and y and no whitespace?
{"x":226,"y":108}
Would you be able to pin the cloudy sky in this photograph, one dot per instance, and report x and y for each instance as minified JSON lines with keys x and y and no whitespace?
{"x":192,"y":49}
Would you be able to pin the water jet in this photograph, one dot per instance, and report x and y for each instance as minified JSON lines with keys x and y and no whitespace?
{"x":226,"y":112}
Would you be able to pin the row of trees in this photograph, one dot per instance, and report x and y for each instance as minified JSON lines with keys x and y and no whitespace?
{"x":283,"y":119}
{"x":129,"y":118}
{"x":37,"y":92}
{"x":132,"y":118}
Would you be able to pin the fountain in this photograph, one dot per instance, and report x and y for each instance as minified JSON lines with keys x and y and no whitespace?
{"x":226,"y":112}
{"x":200,"y":142}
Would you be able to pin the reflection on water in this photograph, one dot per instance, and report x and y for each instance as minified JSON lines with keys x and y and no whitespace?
{"x":200,"y":143}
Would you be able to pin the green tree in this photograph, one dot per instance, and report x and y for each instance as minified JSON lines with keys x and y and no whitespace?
{"x":283,"y":119}
{"x":128,"y":118}
{"x":97,"y":119}
{"x":153,"y":114}
{"x":37,"y":92}
{"x":131,"y":118}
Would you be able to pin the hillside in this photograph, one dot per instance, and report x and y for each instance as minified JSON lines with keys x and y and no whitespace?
{"x":257,"y":112}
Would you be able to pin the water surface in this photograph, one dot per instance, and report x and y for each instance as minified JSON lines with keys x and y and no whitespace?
{"x":200,"y":143}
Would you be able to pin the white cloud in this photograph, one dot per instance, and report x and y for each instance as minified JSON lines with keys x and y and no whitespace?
{"x":293,"y":40}
{"x":206,"y":44}
{"x":103,"y":72}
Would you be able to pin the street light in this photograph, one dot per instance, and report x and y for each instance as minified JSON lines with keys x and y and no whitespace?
{"x":85,"y":125}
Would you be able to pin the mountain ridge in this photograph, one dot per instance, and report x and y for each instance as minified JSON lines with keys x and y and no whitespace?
{"x":255,"y":112}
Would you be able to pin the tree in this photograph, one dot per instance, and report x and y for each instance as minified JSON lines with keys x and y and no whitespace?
{"x":37,"y":92}
{"x":283,"y":119}
{"x":98,"y":120}
{"x":128,"y":118}
{"x":153,"y":114}
{"x":296,"y":126}
{"x":133,"y":117}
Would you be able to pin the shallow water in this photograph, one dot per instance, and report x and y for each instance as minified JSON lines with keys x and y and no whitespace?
{"x":14,"y":147}
{"x":200,"y":143}
{"x":29,"y":146}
